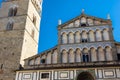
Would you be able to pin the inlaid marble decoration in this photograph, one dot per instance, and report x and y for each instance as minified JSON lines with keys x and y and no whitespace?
{"x":63,"y":74}
{"x":27,"y":76}
{"x":109,"y":73}
{"x":87,"y":29}
{"x":85,"y":45}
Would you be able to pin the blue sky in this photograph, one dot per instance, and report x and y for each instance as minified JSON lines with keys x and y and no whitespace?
{"x":68,"y":9}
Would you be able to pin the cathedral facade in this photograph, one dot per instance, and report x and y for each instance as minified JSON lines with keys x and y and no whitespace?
{"x":86,"y":50}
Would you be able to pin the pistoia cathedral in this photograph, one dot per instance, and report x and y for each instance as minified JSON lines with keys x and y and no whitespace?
{"x":86,"y":47}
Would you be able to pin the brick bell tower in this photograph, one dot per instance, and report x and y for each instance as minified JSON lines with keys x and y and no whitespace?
{"x":19,"y":33}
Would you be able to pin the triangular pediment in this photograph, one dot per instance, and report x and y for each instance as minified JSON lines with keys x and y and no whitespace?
{"x":84,"y":21}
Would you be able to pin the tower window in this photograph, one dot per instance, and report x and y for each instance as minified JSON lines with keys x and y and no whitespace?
{"x":34,"y":20}
{"x":9,"y":26}
{"x":12,"y":11}
{"x":118,"y":56}
{"x":15,"y":11}
{"x":1,"y":66}
{"x":32,"y":34}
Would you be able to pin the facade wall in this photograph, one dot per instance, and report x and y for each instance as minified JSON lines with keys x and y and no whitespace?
{"x":70,"y":74}
{"x":91,"y":34}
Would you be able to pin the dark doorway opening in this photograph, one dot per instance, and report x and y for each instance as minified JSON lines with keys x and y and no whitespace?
{"x":85,"y":76}
{"x":83,"y":25}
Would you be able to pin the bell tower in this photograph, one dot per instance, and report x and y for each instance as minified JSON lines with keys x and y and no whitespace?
{"x":19,"y":33}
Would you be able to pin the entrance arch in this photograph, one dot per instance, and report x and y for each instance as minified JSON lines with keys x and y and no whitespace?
{"x":85,"y":76}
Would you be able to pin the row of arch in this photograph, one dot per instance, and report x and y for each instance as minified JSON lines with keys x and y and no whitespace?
{"x":77,"y":55}
{"x":49,"y":58}
{"x":87,"y":55}
{"x":84,"y":36}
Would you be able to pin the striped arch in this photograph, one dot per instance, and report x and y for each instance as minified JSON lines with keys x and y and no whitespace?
{"x":64,"y":56}
{"x":37,"y":61}
{"x":101,"y":54}
{"x":91,"y":36}
{"x":84,"y":36}
{"x":71,"y":37}
{"x":64,"y":38}
{"x":77,"y":36}
{"x":98,"y":35}
{"x":71,"y":56}
{"x":54,"y":57}
{"x":78,"y":55}
{"x":106,"y":34}
{"x":49,"y":58}
{"x":93,"y":54}
{"x":109,"y":55}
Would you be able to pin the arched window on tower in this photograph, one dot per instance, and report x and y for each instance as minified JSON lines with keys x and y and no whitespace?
{"x":10,"y":13}
{"x":15,"y":11}
{"x":10,"y":26}
{"x":34,"y":19}
{"x":1,"y":66}
{"x":33,"y":33}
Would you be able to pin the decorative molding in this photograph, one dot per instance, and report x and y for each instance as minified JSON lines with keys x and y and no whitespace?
{"x":87,"y":29}
{"x":85,"y":45}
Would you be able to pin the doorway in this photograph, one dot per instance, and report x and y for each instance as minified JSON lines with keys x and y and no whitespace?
{"x":85,"y":76}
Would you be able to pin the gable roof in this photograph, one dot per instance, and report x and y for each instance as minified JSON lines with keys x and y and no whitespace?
{"x":107,"y":21}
